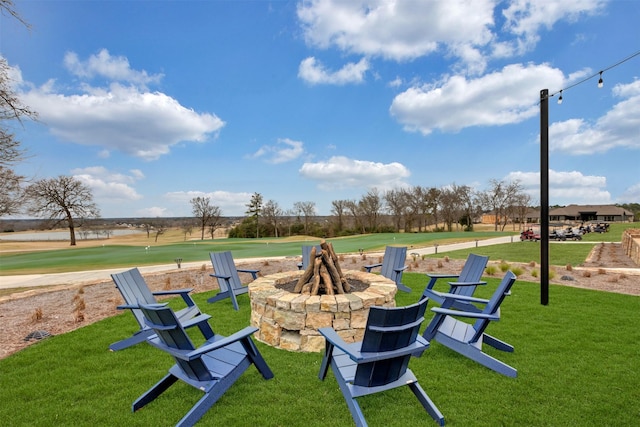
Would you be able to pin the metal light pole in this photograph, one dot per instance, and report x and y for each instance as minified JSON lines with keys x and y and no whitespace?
{"x":544,"y":196}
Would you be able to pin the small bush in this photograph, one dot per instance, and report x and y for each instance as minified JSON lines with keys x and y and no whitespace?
{"x":517,"y":271}
{"x":532,"y":263}
{"x":37,"y":315}
{"x":440,"y":265}
{"x":491,"y":270}
{"x":534,"y":273}
{"x":265,"y":263}
{"x":586,"y":273}
{"x":552,"y":274}
{"x":504,"y":267}
{"x":602,"y":271}
{"x":446,"y":259}
{"x":569,"y":267}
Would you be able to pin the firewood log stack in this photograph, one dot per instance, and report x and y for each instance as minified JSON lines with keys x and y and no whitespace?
{"x":323,"y":274}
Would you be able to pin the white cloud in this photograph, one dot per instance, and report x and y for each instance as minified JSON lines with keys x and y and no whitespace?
{"x":113,"y":68}
{"x":617,"y":128}
{"x":463,"y":29}
{"x":526,"y":18}
{"x":341,"y":172}
{"x":565,"y":187}
{"x":109,"y":187}
{"x":231,"y":204}
{"x":126,"y":118}
{"x":630,"y":195}
{"x":286,"y":150}
{"x":398,"y":30}
{"x":152,"y":212}
{"x":502,"y":97}
{"x":313,"y":72}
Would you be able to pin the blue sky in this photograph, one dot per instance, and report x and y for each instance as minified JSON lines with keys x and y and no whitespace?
{"x":152,"y":103}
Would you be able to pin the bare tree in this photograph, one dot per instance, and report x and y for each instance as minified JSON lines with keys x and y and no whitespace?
{"x":206,"y":214}
{"x":62,"y":199}
{"x":339,"y":210}
{"x":356,"y":212}
{"x":398,"y":205}
{"x":272,"y":213}
{"x":308,"y":210}
{"x":371,"y":207}
{"x":497,"y":198}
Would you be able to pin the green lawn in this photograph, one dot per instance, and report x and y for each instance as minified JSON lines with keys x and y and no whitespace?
{"x":577,"y":362}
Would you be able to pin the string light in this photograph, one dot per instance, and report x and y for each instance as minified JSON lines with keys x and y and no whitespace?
{"x":599,"y":73}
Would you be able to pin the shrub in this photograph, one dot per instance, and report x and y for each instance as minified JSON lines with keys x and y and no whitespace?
{"x":534,"y":273}
{"x":532,"y":263}
{"x":517,"y":271}
{"x":490,"y":270}
{"x":569,"y":267}
{"x":602,"y":271}
{"x":504,"y":266}
{"x":440,"y":265}
{"x":586,"y":273}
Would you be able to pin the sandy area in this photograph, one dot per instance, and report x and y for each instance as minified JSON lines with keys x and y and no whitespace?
{"x":65,"y":308}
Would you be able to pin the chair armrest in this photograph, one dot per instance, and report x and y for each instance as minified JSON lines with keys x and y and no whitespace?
{"x":467,"y":283}
{"x":369,"y":267}
{"x":336,"y":340}
{"x":244,"y":333}
{"x":136,"y":306}
{"x":254,"y":273}
{"x":173,"y":291}
{"x":464,"y":298}
{"x":195,"y":320}
{"x":184,"y":293}
{"x":399,"y":270}
{"x":469,"y":314}
{"x":442,"y":276}
{"x":218,"y":276}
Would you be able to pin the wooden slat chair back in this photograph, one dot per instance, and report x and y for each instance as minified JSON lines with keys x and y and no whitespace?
{"x":468,"y":339}
{"x":380,"y":361}
{"x":226,"y":272}
{"x":212,"y":368}
{"x":392,"y":265}
{"x":135,"y":291}
{"x":465,"y":284}
{"x":306,"y":253}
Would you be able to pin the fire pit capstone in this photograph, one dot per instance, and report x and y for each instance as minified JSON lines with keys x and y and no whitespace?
{"x":290,"y":321}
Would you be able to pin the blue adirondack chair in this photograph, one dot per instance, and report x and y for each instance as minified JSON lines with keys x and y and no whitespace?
{"x":228,"y":278}
{"x":467,"y":339}
{"x":380,"y":361}
{"x":135,"y":291}
{"x":466,"y":283}
{"x":212,"y":368}
{"x":306,"y":252}
{"x":392,"y":265}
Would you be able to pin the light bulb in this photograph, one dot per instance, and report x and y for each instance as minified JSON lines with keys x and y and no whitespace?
{"x":560,"y":98}
{"x":600,"y":82}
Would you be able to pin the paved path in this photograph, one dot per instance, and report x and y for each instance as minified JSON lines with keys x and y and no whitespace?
{"x":95,"y":276}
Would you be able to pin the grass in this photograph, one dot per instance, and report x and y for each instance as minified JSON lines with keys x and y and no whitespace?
{"x":577,"y":362}
{"x":119,"y":255}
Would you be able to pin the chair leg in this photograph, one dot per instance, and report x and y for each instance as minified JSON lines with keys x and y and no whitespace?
{"x":256,"y":358}
{"x":136,"y":338}
{"x":199,"y":409}
{"x":234,"y":300}
{"x":427,"y":403}
{"x":497,"y":344}
{"x":154,"y":392}
{"x":326,"y":360}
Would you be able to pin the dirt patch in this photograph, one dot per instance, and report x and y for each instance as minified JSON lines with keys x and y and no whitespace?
{"x":65,"y":308}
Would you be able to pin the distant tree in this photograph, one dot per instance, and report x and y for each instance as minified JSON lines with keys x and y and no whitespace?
{"x":272,"y":214}
{"x":339,"y":210}
{"x":160,"y":228}
{"x":497,"y":199}
{"x":62,"y":199}
{"x":206,"y":214}
{"x":371,"y":207}
{"x":187,"y":228}
{"x":254,"y":209}
{"x":397,"y":205}
{"x":308,"y":211}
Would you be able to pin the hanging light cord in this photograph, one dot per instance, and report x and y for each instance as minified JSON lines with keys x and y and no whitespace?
{"x":599,"y":73}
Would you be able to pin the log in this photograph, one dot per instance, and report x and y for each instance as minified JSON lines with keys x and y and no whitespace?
{"x":315,"y":288}
{"x":326,"y":278}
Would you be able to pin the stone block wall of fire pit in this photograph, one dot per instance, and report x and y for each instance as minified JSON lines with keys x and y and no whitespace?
{"x":291,"y":321}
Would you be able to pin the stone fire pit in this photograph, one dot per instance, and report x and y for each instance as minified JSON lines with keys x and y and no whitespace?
{"x":290,"y":321}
